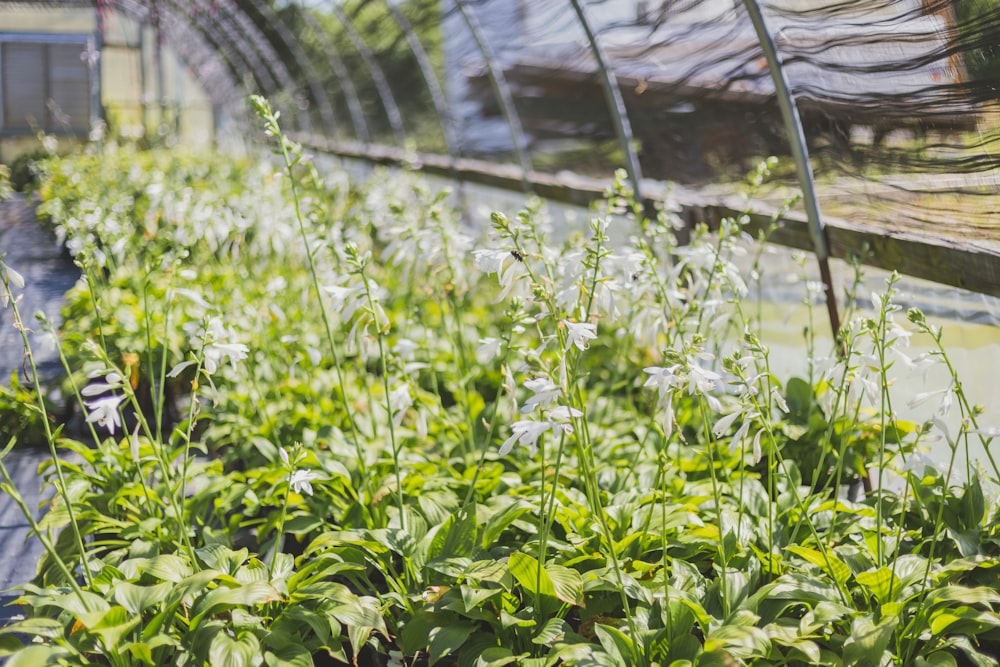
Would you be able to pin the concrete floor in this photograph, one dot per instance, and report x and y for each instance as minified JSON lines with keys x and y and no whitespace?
{"x":48,"y":274}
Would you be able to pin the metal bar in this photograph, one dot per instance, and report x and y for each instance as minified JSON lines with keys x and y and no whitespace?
{"x":340,"y":72}
{"x":800,"y":154}
{"x":378,"y":76}
{"x":616,"y":104}
{"x":302,"y":61}
{"x":445,"y":116}
{"x":502,"y":91}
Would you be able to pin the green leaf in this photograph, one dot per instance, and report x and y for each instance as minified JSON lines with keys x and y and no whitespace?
{"x":446,"y":640}
{"x":617,"y":644}
{"x":225,"y":598}
{"x":567,"y":582}
{"x":289,"y":655}
{"x":868,"y":641}
{"x":35,"y":655}
{"x":529,"y":575}
{"x":880,"y":583}
{"x":554,"y":630}
{"x":936,"y":659}
{"x":38,"y":627}
{"x":455,"y":537}
{"x":137,"y":599}
{"x":830,"y":563}
{"x":500,"y":520}
{"x":240,"y":651}
{"x":496,"y":657}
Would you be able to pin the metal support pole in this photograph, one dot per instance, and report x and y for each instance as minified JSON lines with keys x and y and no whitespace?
{"x":616,"y":104}
{"x":340,"y":72}
{"x":378,"y":76}
{"x":502,"y":91}
{"x":430,"y":78}
{"x":800,"y":154}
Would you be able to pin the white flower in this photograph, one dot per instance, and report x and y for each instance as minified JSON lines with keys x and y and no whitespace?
{"x":488,"y":349}
{"x":946,"y":394}
{"x":545,"y":391}
{"x":399,"y":402}
{"x":218,"y":350}
{"x":104,"y":411}
{"x":722,"y":426}
{"x":578,"y":333}
{"x":664,"y":379}
{"x":701,"y":380}
{"x":300,"y":481}
{"x":283,"y":455}
{"x":527,"y":431}
{"x":133,"y":445}
{"x":13,"y":278}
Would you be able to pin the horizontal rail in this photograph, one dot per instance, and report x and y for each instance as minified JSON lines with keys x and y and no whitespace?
{"x":968,"y":264}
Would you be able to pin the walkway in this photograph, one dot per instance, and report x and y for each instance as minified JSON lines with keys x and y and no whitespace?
{"x":48,"y":274}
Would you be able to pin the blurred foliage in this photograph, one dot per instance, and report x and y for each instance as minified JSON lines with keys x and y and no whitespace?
{"x":387,"y":41}
{"x":978,"y":33}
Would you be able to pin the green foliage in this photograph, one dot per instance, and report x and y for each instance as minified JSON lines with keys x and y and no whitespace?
{"x":346,"y":428}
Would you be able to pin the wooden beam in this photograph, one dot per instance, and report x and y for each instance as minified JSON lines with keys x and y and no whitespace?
{"x":968,"y":264}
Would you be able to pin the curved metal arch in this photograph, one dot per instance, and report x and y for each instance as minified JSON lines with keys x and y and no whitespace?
{"x":375,"y":71}
{"x":445,"y":117}
{"x":615,"y":101}
{"x":501,"y":88}
{"x":221,"y":39}
{"x":264,"y":53}
{"x":340,"y":72}
{"x":218,"y":78}
{"x":302,"y":62}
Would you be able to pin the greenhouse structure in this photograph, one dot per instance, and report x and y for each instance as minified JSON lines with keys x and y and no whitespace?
{"x":500,"y":332}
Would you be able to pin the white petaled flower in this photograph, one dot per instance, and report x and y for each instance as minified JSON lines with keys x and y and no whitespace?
{"x":133,"y":445}
{"x":579,"y":333}
{"x":723,"y":425}
{"x":104,"y":412}
{"x":14,"y":279}
{"x":283,"y":455}
{"x":544,"y":392}
{"x":301,"y":481}
{"x":218,"y":349}
{"x":527,"y":431}
{"x":664,"y":379}
{"x":488,"y":349}
{"x":399,"y":402}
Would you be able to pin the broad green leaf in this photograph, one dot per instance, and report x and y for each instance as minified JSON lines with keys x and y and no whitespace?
{"x":493,"y":571}
{"x":496,"y":657}
{"x":529,"y":575}
{"x":553,"y":630}
{"x":168,"y":567}
{"x":289,"y":655}
{"x":37,"y":627}
{"x":136,"y":599}
{"x":868,"y":641}
{"x":981,"y":595}
{"x":828,"y":563}
{"x":241,"y":596}
{"x":617,"y":644}
{"x":567,"y":582}
{"x":240,"y":651}
{"x":741,"y":641}
{"x":35,"y":655}
{"x":455,"y":537}
{"x":880,"y":583}
{"x":500,"y":520}
{"x":447,"y":639}
{"x":963,"y":621}
{"x":936,"y":659}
